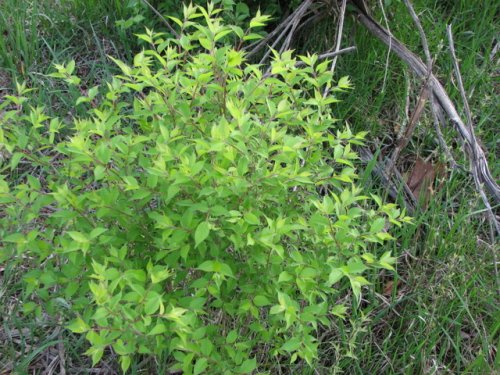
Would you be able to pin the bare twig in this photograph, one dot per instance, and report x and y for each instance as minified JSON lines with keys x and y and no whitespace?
{"x":287,"y":26}
{"x":421,"y":31}
{"x":390,"y":47}
{"x":163,"y":19}
{"x":406,"y":118}
{"x":340,"y":29}
{"x":323,"y":56}
{"x":273,"y":45}
{"x":415,"y":117}
{"x":442,"y":99}
{"x":255,"y":47}
{"x":432,"y":101}
{"x":295,"y":23}
{"x":475,"y":154}
{"x":494,"y":51}
{"x":61,"y":354}
{"x":327,"y":55}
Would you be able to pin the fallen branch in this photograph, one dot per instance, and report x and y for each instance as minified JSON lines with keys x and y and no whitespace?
{"x":468,"y":115}
{"x":432,"y":101}
{"x":471,"y":146}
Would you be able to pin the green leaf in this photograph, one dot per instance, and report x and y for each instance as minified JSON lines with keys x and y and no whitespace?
{"x":232,"y":336}
{"x":250,"y":218}
{"x":159,"y":273}
{"x":99,"y":172}
{"x":344,"y":83}
{"x":261,"y":300}
{"x":386,"y":261}
{"x":78,"y":237}
{"x":207,"y":266}
{"x":291,"y":345}
{"x":96,"y":232}
{"x":125,"y":362}
{"x":96,"y":355}
{"x":339,"y":310}
{"x":276,"y":309}
{"x":201,"y":233}
{"x":14,"y":237}
{"x":335,"y":275}
{"x":153,"y":302}
{"x":158,"y":329}
{"x":124,"y":67}
{"x":226,"y":270}
{"x":218,"y":267}
{"x":131,"y":183}
{"x":284,"y":277}
{"x":200,"y":366}
{"x":355,"y":266}
{"x":377,"y":225}
{"x":78,"y":326}
{"x":247,"y":366}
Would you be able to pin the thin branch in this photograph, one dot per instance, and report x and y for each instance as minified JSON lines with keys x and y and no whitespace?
{"x":414,"y":119}
{"x":163,"y":19}
{"x":442,"y":99}
{"x":339,"y":40}
{"x":474,"y":160}
{"x":468,"y":115}
{"x":292,"y":25}
{"x":423,"y":38}
{"x":390,"y":47}
{"x":279,"y":30}
{"x":432,"y":101}
{"x":323,"y":56}
{"x":255,"y":47}
{"x":327,"y":55}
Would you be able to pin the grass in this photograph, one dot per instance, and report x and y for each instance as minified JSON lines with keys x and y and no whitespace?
{"x":442,"y":317}
{"x":439,"y":315}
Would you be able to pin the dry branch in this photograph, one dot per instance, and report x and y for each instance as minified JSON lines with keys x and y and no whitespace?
{"x":432,"y":101}
{"x":340,"y":29}
{"x":475,"y":153}
{"x":474,"y":156}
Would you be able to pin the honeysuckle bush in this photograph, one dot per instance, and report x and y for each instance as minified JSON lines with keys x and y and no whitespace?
{"x":181,"y":217}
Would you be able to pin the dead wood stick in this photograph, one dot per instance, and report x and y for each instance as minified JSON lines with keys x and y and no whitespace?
{"x":442,"y":98}
{"x":468,"y":115}
{"x":255,"y":47}
{"x":337,"y":44}
{"x":295,"y":24}
{"x":291,"y":25}
{"x":415,"y":117}
{"x":432,"y":101}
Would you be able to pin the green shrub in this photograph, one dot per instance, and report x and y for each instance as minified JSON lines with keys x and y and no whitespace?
{"x":181,"y":217}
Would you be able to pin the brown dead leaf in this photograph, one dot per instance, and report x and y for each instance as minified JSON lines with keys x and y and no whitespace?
{"x":389,"y":286}
{"x":421,"y":180}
